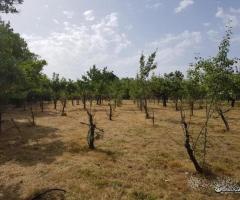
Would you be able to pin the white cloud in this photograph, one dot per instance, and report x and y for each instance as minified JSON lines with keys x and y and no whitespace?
{"x":153,"y":5}
{"x":129,"y":27}
{"x":68,"y":14}
{"x":56,"y":21}
{"x":234,"y":10}
{"x":213,"y":35}
{"x":89,"y":15}
{"x":228,"y":18}
{"x":183,"y":5}
{"x":173,"y":49}
{"x":206,"y":24}
{"x":236,"y":39}
{"x":77,"y":47}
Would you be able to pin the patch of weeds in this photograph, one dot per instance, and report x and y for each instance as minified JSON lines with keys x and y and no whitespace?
{"x":143,"y":196}
{"x":116,"y":184}
{"x":87,"y":173}
{"x":75,"y":148}
{"x":101,"y":183}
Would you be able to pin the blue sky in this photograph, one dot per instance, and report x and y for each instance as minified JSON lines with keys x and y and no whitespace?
{"x":72,"y":35}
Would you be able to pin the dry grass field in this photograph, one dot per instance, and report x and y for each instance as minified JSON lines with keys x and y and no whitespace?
{"x":135,"y":160}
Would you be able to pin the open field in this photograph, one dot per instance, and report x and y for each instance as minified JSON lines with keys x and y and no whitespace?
{"x":134,"y":160}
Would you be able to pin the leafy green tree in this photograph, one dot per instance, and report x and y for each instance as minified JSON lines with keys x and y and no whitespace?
{"x":45,"y":91}
{"x":194,"y":89}
{"x":9,"y":6}
{"x":20,"y":70}
{"x":175,"y":84}
{"x":116,"y":92}
{"x":236,"y":87}
{"x":217,"y":75}
{"x":146,"y":66}
{"x":85,"y":89}
{"x":126,"y":87}
{"x":160,"y":88}
{"x":56,"y":88}
{"x":99,"y":80}
{"x":71,"y":89}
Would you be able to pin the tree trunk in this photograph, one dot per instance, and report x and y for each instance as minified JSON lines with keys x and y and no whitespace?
{"x":55,"y":104}
{"x":0,"y":122}
{"x":64,"y":106}
{"x":220,"y":112}
{"x":190,"y":150}
{"x":84,"y":102}
{"x":33,"y":117}
{"x":153,"y":119}
{"x":164,"y":101}
{"x":176,"y":104}
{"x":110,"y":112}
{"x":138,"y":103}
{"x":91,"y":132}
{"x":191,"y":107}
{"x":91,"y":102}
{"x":233,"y":103}
{"x":141,"y":104}
{"x":72,"y":102}
{"x":146,"y":109}
{"x":91,"y":139}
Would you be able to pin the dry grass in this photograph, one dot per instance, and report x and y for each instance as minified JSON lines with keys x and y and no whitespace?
{"x":134,"y":160}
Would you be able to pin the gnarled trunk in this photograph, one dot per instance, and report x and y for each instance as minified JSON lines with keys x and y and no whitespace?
{"x":189,"y":148}
{"x":176,"y":105}
{"x":164,"y":101}
{"x":220,"y":112}
{"x":110,"y":111}
{"x":146,"y":109}
{"x":63,"y":108}
{"x":141,"y":104}
{"x":84,"y":102}
{"x":153,"y":118}
{"x":233,"y":103}
{"x":32,"y":115}
{"x":55,"y":104}
{"x":91,"y":132}
{"x":0,"y":122}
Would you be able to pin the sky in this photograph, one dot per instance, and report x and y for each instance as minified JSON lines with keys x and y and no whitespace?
{"x":73,"y":35}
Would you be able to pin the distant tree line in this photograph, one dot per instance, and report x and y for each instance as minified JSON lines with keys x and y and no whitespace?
{"x":23,"y":82}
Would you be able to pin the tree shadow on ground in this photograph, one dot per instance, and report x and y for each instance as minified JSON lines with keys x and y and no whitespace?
{"x":31,"y":145}
{"x":75,"y":148}
{"x":10,"y":192}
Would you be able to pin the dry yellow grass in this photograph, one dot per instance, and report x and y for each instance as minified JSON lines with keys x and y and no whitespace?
{"x":134,"y":160}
